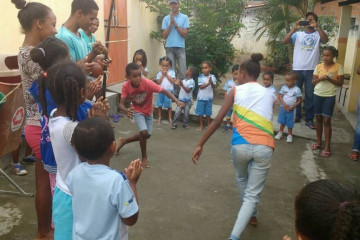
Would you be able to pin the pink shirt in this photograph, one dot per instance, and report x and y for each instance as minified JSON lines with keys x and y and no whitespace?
{"x":142,"y":96}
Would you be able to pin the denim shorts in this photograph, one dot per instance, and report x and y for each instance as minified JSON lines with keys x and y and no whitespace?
{"x":62,"y":215}
{"x":203,"y":107}
{"x":143,"y":122}
{"x":286,"y":118}
{"x":163,"y":101}
{"x":324,"y":105}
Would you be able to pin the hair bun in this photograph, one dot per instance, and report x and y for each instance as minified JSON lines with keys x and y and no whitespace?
{"x":257,"y":57}
{"x":37,"y":55}
{"x":19,"y":4}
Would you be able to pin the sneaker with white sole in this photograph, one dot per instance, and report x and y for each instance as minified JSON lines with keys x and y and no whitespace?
{"x":279,"y":135}
{"x":19,"y":170}
{"x":289,"y":138}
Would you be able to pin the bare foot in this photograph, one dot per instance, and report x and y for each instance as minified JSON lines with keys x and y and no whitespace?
{"x":144,"y":163}
{"x":199,"y":129}
{"x":121,"y":143}
{"x":48,"y":236}
{"x":158,"y":122}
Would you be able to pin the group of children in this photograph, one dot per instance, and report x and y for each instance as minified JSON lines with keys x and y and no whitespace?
{"x":83,"y":150}
{"x":327,"y":77}
{"x":77,"y":144}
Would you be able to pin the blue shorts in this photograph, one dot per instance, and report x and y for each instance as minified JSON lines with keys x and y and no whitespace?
{"x":143,"y":122}
{"x":163,"y":101}
{"x":286,"y":118}
{"x":203,"y":107}
{"x":229,"y":113}
{"x":324,"y":105}
{"x":62,"y":215}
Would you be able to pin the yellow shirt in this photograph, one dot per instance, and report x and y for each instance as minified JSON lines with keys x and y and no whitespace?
{"x":326,"y":88}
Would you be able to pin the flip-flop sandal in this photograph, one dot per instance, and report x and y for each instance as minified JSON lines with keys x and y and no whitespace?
{"x":199,"y":129}
{"x":354,"y":156}
{"x":325,"y":154}
{"x":158,"y":122}
{"x":116,"y":118}
{"x":311,"y":125}
{"x":315,"y":146}
{"x":145,"y":166}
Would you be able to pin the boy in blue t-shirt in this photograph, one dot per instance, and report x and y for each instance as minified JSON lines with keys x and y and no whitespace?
{"x":83,"y":13}
{"x":230,"y":84}
{"x":94,"y":185}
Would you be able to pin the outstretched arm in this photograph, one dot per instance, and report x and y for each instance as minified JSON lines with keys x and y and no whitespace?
{"x":172,"y":97}
{"x":229,"y":100}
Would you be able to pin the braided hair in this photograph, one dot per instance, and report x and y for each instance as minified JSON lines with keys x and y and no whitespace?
{"x":64,"y":81}
{"x":167,"y":59}
{"x":326,"y":209}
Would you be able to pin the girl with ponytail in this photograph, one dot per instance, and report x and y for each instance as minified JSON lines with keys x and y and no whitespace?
{"x":46,"y":54}
{"x":252,"y":141}
{"x":37,"y":22}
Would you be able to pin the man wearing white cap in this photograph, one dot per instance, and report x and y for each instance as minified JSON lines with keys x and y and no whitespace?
{"x":175,"y":28}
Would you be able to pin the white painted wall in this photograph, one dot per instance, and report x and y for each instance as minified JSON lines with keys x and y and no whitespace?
{"x":141,"y":22}
{"x":247,"y":43}
{"x":350,"y":48}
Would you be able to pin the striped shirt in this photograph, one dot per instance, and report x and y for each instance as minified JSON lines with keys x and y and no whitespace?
{"x":253,"y":110}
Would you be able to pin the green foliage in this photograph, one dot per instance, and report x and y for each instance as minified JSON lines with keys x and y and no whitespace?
{"x":276,"y":20}
{"x":213,"y":24}
{"x":329,"y":25}
{"x":278,"y":55}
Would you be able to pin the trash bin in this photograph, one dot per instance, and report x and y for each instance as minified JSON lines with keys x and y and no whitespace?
{"x":12,"y":106}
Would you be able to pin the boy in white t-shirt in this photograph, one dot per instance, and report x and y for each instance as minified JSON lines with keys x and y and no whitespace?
{"x":290,"y":96}
{"x":186,"y":94}
{"x":207,"y":83}
{"x":104,"y":201}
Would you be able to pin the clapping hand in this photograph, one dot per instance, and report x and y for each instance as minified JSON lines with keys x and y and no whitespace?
{"x":99,"y":108}
{"x":133,"y":171}
{"x":98,"y":48}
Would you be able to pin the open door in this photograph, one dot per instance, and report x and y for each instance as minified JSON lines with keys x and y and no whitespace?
{"x":118,"y":42}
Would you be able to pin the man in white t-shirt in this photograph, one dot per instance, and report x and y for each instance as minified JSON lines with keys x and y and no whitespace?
{"x":306,"y":57}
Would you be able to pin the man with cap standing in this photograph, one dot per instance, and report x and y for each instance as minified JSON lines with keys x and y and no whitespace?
{"x":175,"y":29}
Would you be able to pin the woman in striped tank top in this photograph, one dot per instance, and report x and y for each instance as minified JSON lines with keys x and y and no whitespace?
{"x":252,"y":141}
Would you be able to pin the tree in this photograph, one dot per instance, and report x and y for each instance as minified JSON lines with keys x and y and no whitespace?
{"x":213,"y":24}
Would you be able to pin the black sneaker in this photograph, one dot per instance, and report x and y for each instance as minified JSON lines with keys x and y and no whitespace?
{"x":30,"y":159}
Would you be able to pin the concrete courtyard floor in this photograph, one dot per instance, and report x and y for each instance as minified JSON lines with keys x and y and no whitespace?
{"x":180,"y":201}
